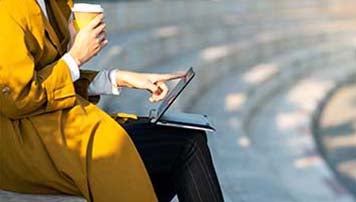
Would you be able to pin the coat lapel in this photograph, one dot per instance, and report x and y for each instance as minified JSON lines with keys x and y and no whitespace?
{"x":50,"y":32}
{"x":62,"y":24}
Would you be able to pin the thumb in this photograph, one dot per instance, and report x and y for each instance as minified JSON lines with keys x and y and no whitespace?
{"x":155,"y":90}
{"x":151,"y":87}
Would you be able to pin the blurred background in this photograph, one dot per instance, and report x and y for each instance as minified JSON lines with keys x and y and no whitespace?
{"x":274,"y":76}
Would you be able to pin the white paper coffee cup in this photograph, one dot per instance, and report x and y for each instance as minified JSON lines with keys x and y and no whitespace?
{"x":84,"y":13}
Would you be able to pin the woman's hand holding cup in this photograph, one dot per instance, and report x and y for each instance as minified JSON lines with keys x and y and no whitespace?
{"x":91,"y":37}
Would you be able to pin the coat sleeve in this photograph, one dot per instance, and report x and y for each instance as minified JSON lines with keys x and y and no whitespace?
{"x":82,"y":85}
{"x":24,"y":90}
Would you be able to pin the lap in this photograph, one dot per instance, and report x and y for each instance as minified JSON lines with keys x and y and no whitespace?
{"x":160,"y":146}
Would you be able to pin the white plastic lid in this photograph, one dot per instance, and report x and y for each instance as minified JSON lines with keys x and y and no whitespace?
{"x":91,"y":8}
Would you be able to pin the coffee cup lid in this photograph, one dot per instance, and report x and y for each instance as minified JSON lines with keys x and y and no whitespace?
{"x":84,"y":7}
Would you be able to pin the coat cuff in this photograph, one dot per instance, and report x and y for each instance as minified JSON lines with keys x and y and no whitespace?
{"x":60,"y":89}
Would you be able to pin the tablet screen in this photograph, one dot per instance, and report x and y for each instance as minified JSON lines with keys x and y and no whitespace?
{"x":173,"y":94}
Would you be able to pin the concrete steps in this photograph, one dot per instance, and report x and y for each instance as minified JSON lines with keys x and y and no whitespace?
{"x":16,"y":197}
{"x":333,"y":127}
{"x":274,"y":159}
{"x":162,"y":45}
{"x":143,"y":15}
{"x":139,"y":49}
{"x":223,"y":59}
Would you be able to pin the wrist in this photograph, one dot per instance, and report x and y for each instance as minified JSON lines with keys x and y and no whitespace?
{"x":79,"y":63}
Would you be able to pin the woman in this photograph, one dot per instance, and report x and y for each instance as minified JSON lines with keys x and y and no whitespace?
{"x":53,"y":140}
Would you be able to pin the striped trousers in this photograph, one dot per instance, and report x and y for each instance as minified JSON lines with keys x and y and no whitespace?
{"x":177,"y":160}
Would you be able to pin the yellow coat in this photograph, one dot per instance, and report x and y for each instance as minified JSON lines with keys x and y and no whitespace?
{"x":51,"y":139}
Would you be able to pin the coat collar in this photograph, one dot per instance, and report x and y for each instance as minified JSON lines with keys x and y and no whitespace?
{"x":49,"y":30}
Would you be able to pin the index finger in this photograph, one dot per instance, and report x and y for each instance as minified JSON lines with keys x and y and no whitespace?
{"x":167,"y":77}
{"x":96,"y":21}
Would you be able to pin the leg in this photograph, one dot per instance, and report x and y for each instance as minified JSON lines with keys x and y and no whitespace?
{"x":114,"y":168}
{"x":177,"y":160}
{"x":97,"y":160}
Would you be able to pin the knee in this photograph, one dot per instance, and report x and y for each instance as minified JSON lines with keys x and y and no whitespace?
{"x":200,"y":138}
{"x":195,"y":141}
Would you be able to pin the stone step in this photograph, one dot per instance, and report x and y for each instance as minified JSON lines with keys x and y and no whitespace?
{"x":6,"y":196}
{"x":287,"y":123}
{"x":143,"y":15}
{"x":297,"y":70}
{"x":333,"y":127}
{"x":291,"y":65}
{"x":265,"y":161}
{"x":144,"y":49}
{"x":268,"y":77}
{"x":265,"y":49}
